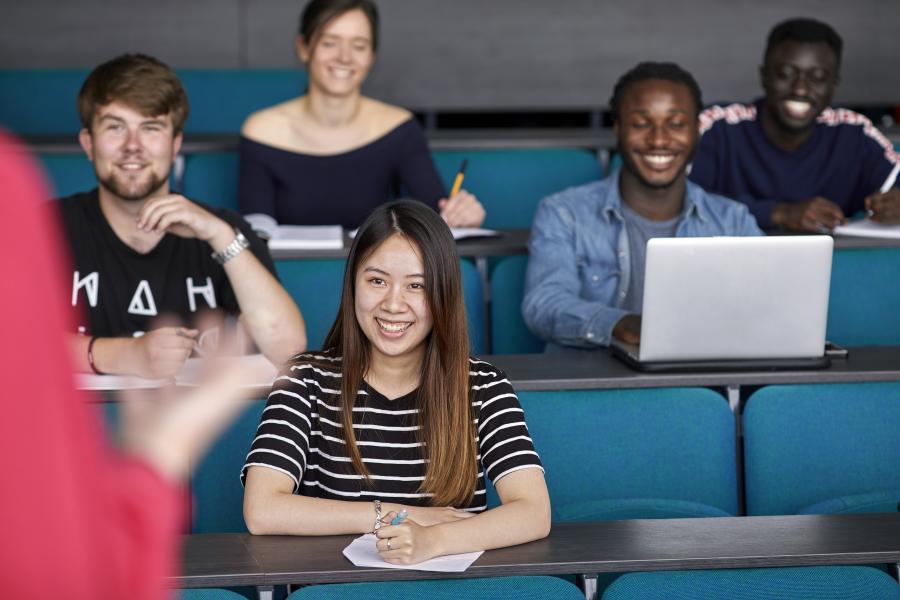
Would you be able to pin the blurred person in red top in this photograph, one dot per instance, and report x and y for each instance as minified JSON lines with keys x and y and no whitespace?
{"x":80,"y":519}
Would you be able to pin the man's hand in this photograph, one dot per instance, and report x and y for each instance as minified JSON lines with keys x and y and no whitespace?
{"x":462,"y":210}
{"x":159,"y":353}
{"x":884,"y":208}
{"x":818,"y":215}
{"x":628,"y":329}
{"x":178,"y":215}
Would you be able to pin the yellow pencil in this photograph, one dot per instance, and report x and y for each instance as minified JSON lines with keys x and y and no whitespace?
{"x":457,"y":183}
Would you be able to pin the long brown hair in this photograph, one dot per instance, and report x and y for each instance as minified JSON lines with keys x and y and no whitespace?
{"x":446,"y":426}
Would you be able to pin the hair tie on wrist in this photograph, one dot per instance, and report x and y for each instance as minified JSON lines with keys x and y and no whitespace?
{"x":91,"y":356}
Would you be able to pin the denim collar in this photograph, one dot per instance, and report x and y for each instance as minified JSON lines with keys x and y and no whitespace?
{"x":611,"y":200}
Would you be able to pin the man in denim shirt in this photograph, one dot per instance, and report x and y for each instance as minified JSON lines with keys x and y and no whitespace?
{"x":585,"y":276}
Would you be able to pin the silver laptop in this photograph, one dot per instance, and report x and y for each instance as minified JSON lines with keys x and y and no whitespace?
{"x":760,"y":301}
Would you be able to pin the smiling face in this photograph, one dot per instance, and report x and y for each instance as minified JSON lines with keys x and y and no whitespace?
{"x":341,"y":55}
{"x":657,"y":131}
{"x":391,"y":302}
{"x":132,"y":153}
{"x":799,"y":79}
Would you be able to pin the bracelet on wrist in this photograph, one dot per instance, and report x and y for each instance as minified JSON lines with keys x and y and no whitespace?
{"x":377,"y":516}
{"x":90,"y":356}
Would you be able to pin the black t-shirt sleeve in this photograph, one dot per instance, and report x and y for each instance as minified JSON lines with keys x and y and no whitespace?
{"x":418,"y":175}
{"x":504,"y":441}
{"x":282,"y":439}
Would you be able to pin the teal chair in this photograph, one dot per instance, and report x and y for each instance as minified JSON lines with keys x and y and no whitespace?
{"x":489,"y":588}
{"x":68,"y":173}
{"x":315,"y":286}
{"x":510,"y":183}
{"x":865,"y":296}
{"x":509,"y":334}
{"x":643,"y":453}
{"x":42,"y":101}
{"x":222,"y":98}
{"x":795,"y":583}
{"x":212,"y":177}
{"x":217,"y":494}
{"x":826,"y":448}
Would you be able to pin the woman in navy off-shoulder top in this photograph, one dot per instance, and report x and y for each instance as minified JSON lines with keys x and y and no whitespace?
{"x":332,"y":155}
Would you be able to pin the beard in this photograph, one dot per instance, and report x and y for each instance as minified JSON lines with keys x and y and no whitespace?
{"x":128,"y":188}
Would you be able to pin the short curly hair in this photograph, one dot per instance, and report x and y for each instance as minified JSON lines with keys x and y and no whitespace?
{"x":667,"y":71}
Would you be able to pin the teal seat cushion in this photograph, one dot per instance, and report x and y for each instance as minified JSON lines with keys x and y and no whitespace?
{"x":795,"y":583}
{"x":489,"y":588}
{"x":886,"y":501}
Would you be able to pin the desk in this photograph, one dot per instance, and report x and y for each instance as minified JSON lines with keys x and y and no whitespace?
{"x":571,"y":548}
{"x":600,"y":370}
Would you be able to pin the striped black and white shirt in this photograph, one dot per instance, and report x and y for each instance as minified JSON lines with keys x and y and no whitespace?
{"x":300,"y":435}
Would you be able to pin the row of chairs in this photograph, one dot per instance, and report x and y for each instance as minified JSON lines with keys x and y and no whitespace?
{"x":42,"y":101}
{"x":671,"y":453}
{"x":510,"y":183}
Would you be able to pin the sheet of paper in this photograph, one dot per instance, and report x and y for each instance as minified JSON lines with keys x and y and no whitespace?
{"x":362,"y":553}
{"x":307,"y":237}
{"x":263,"y":371}
{"x":460,"y":233}
{"x":867,"y":228}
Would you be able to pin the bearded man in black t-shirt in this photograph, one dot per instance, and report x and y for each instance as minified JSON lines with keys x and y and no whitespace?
{"x":141,"y":252}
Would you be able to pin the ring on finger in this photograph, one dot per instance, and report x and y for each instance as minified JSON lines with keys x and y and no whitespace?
{"x":389,"y":543}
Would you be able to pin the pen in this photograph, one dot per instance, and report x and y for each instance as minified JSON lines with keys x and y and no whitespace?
{"x":887,"y":185}
{"x":399,"y":518}
{"x":457,"y":183}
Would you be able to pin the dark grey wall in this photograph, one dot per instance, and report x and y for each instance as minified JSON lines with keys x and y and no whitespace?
{"x":471,"y":54}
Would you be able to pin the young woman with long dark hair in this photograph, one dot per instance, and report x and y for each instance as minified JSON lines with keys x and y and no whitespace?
{"x":394,"y":414}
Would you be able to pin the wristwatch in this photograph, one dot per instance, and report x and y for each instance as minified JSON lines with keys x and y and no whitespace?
{"x":237,"y":245}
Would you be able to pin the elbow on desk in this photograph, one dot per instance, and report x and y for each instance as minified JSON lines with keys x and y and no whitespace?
{"x":255,"y":520}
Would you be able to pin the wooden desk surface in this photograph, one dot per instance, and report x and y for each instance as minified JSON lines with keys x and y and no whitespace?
{"x":601,"y":370}
{"x":571,"y":548}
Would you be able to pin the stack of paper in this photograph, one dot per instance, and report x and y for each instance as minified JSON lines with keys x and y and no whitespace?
{"x":297,"y":237}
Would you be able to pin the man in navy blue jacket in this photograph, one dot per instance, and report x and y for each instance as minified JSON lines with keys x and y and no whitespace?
{"x":796,"y":162}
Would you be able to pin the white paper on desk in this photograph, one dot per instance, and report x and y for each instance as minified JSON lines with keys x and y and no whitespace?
{"x":297,"y":237}
{"x":263,"y":373}
{"x":459,"y":233}
{"x":867,"y":228}
{"x":362,"y":553}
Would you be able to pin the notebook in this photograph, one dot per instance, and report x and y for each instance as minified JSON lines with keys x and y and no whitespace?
{"x":724,"y":303}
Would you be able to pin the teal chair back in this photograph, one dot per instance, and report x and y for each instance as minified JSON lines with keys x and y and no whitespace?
{"x":42,"y":101}
{"x":222,"y":98}
{"x":212,"y":177}
{"x":217,"y":494}
{"x":795,"y":583}
{"x":822,"y":448}
{"x":315,"y":286}
{"x":510,"y":183}
{"x":68,"y":173}
{"x":864,"y":304}
{"x":488,"y":588}
{"x":644,"y":453}
{"x":509,"y":334}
